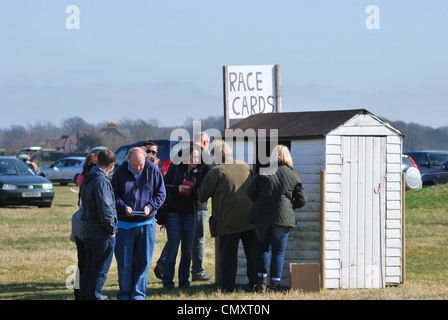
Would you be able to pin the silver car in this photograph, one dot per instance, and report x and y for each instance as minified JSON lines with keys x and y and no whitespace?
{"x":64,"y":170}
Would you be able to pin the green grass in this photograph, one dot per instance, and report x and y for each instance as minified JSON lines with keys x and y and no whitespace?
{"x":427,"y":235}
{"x":36,"y":256}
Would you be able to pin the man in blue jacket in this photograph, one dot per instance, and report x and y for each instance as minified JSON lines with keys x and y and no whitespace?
{"x":139,"y":192}
{"x":98,"y":226}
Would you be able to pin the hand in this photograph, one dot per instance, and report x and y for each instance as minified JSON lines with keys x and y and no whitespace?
{"x":128,"y":211}
{"x":184,"y":188}
{"x":146,"y":210}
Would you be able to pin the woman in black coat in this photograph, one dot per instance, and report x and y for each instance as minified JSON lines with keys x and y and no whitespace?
{"x":276,"y":192}
{"x":181,"y":182}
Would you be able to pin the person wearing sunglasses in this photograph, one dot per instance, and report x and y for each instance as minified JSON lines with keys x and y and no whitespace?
{"x":152,"y":149}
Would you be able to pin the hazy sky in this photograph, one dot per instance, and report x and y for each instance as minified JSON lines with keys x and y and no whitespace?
{"x":163,"y":59}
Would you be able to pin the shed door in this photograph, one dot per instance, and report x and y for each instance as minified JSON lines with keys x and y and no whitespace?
{"x":363,"y":211}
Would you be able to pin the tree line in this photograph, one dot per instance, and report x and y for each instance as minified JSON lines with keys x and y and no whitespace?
{"x":417,"y":137}
{"x":17,"y":137}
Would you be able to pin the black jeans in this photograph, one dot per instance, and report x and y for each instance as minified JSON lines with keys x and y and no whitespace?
{"x":228,"y":249}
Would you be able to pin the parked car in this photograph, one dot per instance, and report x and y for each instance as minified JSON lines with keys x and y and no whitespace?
{"x":413,"y":177}
{"x":64,"y":170}
{"x":433,"y":165}
{"x":166,"y":148}
{"x":19,"y":185}
{"x":35,"y":153}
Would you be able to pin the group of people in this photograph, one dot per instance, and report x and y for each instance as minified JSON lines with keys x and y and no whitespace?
{"x":118,"y":215}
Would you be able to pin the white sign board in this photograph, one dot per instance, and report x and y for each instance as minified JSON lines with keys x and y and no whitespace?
{"x":251,"y":89}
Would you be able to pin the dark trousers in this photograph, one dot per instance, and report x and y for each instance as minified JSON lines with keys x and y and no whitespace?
{"x":228,"y":249}
{"x":99,"y":254}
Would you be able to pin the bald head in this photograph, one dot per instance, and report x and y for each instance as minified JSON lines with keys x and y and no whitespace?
{"x":137,"y":158}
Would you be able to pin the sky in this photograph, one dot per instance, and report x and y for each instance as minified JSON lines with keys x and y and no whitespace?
{"x":163,"y":60}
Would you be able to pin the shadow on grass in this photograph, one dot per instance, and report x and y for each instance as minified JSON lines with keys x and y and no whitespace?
{"x":35,"y":291}
{"x":154,"y":291}
{"x":195,"y":289}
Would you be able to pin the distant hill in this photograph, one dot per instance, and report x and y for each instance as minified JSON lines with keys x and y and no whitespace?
{"x":419,"y":137}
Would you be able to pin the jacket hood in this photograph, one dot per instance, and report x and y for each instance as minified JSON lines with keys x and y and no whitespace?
{"x":94,"y":172}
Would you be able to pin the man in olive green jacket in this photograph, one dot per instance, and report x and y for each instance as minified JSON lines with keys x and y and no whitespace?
{"x":227,"y":185}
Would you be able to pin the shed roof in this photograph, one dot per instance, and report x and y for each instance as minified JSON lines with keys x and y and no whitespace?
{"x":301,"y":125}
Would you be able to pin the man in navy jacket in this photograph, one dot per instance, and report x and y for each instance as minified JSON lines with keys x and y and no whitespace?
{"x":139,"y":192}
{"x":99,"y":226}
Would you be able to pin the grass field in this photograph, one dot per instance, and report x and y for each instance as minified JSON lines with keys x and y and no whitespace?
{"x":37,"y":258}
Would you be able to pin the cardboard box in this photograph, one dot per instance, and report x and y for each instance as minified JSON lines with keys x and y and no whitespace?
{"x":305,"y":276}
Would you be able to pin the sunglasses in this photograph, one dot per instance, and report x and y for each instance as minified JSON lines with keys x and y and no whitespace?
{"x":151,"y":152}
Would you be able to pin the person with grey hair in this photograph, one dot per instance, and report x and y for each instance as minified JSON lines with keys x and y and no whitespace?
{"x":226,"y":184}
{"x":197,"y":267}
{"x":139,"y":191}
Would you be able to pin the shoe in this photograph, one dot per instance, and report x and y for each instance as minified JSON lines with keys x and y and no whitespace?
{"x":262,"y":284}
{"x":158,"y":272}
{"x":202,"y":277}
{"x":275,"y":287}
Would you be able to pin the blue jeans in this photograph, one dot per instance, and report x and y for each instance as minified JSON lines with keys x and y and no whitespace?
{"x":197,"y":268}
{"x":179,"y":229}
{"x":275,"y":238}
{"x":99,"y":254}
{"x":133,"y":252}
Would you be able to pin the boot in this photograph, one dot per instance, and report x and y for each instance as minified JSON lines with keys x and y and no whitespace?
{"x":262,"y":284}
{"x":275,"y":286}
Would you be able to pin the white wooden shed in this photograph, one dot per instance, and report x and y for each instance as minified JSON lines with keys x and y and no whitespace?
{"x":350,"y":164}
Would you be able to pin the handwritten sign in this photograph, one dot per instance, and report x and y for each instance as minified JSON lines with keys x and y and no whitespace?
{"x":251,"y":89}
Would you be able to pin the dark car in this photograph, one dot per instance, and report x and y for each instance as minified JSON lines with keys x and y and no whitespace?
{"x":433,"y":165}
{"x":19,"y":185}
{"x":64,"y":170}
{"x":165,"y":149}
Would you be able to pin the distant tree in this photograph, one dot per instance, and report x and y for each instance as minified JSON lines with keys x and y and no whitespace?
{"x":15,"y":137}
{"x":138,"y":129}
{"x":72,"y":125}
{"x":419,"y":137}
{"x":92,"y":138}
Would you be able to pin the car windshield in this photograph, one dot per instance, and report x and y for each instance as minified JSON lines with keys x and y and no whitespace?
{"x":123,"y":152}
{"x":121,"y":155}
{"x":437,"y":159}
{"x":14,"y":167}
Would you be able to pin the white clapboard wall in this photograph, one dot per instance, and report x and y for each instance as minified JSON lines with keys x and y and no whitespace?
{"x":363,"y":206}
